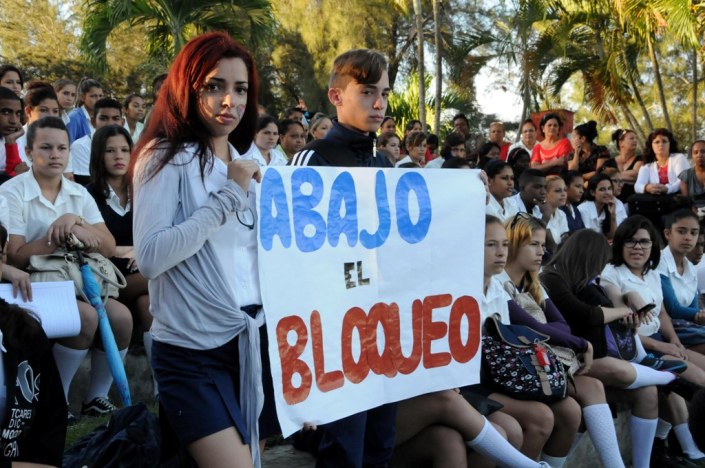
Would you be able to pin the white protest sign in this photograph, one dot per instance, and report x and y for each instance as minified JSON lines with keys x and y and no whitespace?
{"x":369,"y":281}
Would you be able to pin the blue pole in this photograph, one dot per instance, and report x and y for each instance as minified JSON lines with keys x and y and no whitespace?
{"x":92,"y":291}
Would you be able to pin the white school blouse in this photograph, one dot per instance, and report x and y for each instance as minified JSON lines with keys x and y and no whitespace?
{"x":31,"y":213}
{"x":648,"y":287}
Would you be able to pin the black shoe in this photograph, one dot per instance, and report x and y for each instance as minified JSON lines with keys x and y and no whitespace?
{"x":683,"y":387}
{"x":669,"y":365}
{"x":659,"y":455}
{"x":100,"y":406}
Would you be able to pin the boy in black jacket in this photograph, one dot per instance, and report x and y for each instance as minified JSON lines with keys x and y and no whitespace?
{"x":359,"y":89}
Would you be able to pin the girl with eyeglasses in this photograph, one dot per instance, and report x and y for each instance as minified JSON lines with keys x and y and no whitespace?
{"x":572,"y":280}
{"x":632,"y":276}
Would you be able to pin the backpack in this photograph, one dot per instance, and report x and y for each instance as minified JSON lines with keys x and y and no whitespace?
{"x":130,"y":439}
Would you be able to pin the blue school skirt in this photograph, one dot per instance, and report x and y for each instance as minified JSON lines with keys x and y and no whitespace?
{"x":199,"y":390}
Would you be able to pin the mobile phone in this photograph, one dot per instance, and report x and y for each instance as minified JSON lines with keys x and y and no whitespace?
{"x":646,"y":308}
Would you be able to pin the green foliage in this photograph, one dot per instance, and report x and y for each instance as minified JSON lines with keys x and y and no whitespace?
{"x":404,"y":105}
{"x":168,"y":25}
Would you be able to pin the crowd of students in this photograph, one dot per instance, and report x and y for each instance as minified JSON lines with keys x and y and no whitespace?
{"x":171,"y":202}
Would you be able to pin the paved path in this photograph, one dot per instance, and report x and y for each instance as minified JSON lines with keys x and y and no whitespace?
{"x":286,"y":456}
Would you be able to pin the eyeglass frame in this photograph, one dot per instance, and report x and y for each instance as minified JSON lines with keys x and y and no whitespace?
{"x":642,"y":243}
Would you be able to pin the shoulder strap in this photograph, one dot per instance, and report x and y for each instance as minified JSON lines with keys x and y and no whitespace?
{"x":336,"y":154}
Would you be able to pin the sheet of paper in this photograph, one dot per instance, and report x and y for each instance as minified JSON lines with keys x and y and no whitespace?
{"x":55,"y":305}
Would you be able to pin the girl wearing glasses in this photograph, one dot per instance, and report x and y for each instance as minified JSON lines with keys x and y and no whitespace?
{"x":632,"y":276}
{"x":205,"y":328}
{"x":573,"y":283}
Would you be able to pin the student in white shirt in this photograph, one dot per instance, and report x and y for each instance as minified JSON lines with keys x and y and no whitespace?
{"x":556,"y":197}
{"x":45,"y":208}
{"x":89,"y":92}
{"x":679,"y":285}
{"x":632,"y":274}
{"x":599,"y":211}
{"x":415,"y":143}
{"x":263,"y":148}
{"x":107,"y":111}
{"x":135,"y":109}
{"x":40,"y":101}
{"x":500,"y":181}
{"x":679,"y":280}
{"x":66,"y":92}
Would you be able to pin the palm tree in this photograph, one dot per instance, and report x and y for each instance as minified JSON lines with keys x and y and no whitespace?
{"x":439,"y":69}
{"x":418,"y":14}
{"x":170,"y":24}
{"x":647,"y":19}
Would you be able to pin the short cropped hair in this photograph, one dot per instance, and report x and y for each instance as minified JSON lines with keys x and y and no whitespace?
{"x":7,"y":93}
{"x":106,"y":103}
{"x":365,"y":66}
{"x":529,"y":175}
{"x":44,"y":122}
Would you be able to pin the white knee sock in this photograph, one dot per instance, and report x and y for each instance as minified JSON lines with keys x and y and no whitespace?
{"x":576,"y":442}
{"x":643,"y":431}
{"x":490,"y":444}
{"x":685,"y":438}
{"x":554,"y":462}
{"x":663,"y":428}
{"x":646,"y":376}
{"x":640,"y":351}
{"x":68,"y":360}
{"x":147,"y":340}
{"x":598,"y":419}
{"x":101,"y":377}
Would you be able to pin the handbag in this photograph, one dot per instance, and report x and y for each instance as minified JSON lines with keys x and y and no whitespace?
{"x":62,"y":265}
{"x":517,"y":362}
{"x":527,"y":302}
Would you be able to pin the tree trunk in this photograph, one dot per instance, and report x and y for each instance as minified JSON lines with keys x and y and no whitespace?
{"x":439,"y":63}
{"x":695,"y":94}
{"x":419,"y":56}
{"x":634,"y":124}
{"x":659,"y":83}
{"x":642,"y":105}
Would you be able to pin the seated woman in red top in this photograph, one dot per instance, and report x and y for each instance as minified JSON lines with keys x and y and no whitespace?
{"x":551,"y":154}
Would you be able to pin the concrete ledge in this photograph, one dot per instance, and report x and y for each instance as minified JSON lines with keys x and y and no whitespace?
{"x":285,"y":456}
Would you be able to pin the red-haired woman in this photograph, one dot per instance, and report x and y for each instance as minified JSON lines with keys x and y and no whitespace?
{"x":206,"y":319}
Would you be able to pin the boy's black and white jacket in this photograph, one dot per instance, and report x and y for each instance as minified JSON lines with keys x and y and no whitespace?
{"x":341,"y":147}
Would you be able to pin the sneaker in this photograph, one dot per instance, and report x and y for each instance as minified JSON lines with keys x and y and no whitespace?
{"x":667,"y":365}
{"x":71,"y":420}
{"x":100,"y":406}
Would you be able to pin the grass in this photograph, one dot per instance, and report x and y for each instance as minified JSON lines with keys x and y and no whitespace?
{"x":86,"y":424}
{"x":83,"y":427}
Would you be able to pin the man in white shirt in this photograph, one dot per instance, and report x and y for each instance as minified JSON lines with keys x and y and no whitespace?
{"x":107,"y":111}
